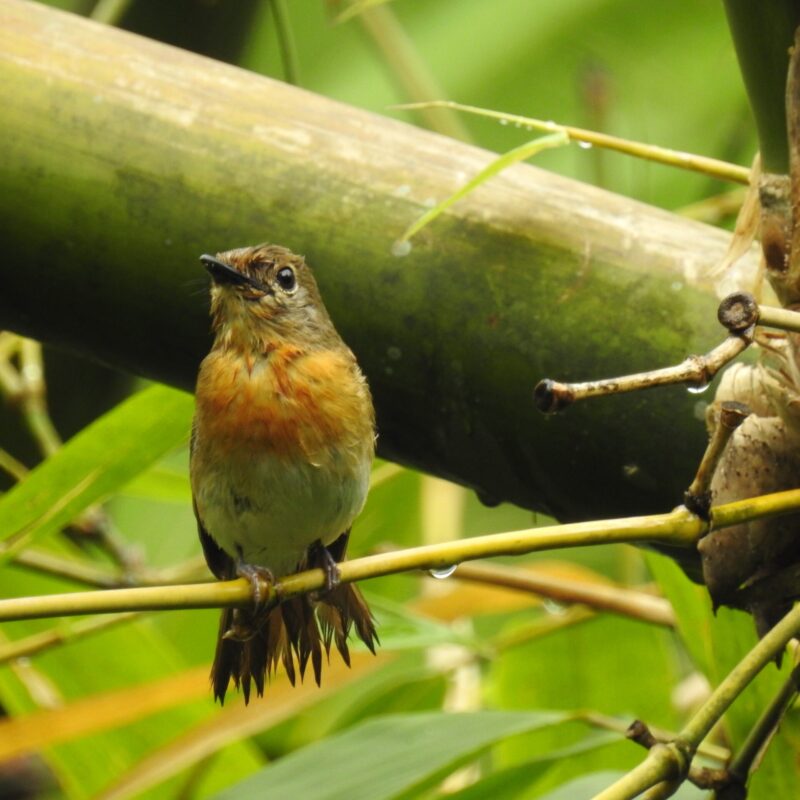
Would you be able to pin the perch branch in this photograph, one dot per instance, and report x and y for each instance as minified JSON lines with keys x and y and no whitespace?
{"x":679,"y":528}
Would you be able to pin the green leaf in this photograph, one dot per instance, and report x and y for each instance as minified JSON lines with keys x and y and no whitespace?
{"x":388,"y":756}
{"x":161,"y":484}
{"x":518,"y":781}
{"x":521,"y":153}
{"x":585,"y":786}
{"x":404,"y":629}
{"x":94,"y":463}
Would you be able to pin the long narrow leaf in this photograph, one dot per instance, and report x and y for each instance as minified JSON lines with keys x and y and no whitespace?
{"x":521,"y":153}
{"x":387,"y":756}
{"x":93,"y":464}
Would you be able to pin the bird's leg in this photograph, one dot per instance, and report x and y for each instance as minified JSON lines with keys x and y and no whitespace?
{"x":320,"y":557}
{"x":243,"y":625}
{"x":260,"y":579}
{"x":241,"y":628}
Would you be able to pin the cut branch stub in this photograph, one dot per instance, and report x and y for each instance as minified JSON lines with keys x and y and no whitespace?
{"x":738,"y":312}
{"x":550,"y":396}
{"x":698,"y":496}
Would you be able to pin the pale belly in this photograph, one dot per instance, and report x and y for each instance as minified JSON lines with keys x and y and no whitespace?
{"x":269,"y":510}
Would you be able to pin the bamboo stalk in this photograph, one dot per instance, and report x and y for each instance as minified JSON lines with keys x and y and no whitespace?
{"x":502,"y":289}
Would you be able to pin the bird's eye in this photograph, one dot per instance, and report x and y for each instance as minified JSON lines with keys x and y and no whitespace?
{"x":286,"y":279}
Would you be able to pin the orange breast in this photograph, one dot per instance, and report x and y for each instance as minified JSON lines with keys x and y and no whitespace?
{"x":289,"y":403}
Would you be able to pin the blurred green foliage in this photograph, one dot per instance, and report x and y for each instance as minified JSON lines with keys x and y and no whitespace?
{"x":657,"y":72}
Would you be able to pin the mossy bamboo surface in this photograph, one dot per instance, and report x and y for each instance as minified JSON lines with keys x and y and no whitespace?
{"x":124,"y":160}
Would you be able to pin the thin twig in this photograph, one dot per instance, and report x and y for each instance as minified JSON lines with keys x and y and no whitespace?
{"x":24,"y":386}
{"x":61,"y":634}
{"x":702,"y":777}
{"x":11,"y":466}
{"x":663,"y":155}
{"x":698,"y":496}
{"x":551,"y":396}
{"x":537,"y":629}
{"x":599,"y":596}
{"x":671,"y":761}
{"x":761,"y":734}
{"x":33,"y":402}
{"x":679,"y":528}
{"x":781,"y":318}
{"x":90,"y":574}
{"x":79,"y":571}
{"x":713,"y":210}
{"x":661,"y":790}
{"x":706,"y":749}
{"x":738,"y":312}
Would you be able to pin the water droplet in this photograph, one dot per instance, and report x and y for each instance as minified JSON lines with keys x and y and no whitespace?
{"x":585,"y":145}
{"x":697,"y":388}
{"x":400,"y":248}
{"x":630,"y":470}
{"x":503,"y":121}
{"x":443,"y":572}
{"x":554,"y":608}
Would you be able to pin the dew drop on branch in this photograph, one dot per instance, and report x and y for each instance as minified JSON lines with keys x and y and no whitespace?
{"x":443,"y":572}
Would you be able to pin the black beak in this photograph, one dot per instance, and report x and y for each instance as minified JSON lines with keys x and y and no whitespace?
{"x":223,"y":274}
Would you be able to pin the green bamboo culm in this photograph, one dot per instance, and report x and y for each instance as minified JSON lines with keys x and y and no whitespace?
{"x":146,"y":156}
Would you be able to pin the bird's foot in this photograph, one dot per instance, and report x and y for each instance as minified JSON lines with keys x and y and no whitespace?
{"x":261,"y":580}
{"x":320,"y":557}
{"x":241,"y":628}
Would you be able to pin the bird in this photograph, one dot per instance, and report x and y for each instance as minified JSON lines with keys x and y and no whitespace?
{"x":282,"y":444}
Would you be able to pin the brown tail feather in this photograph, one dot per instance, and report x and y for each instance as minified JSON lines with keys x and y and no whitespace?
{"x":298,"y":628}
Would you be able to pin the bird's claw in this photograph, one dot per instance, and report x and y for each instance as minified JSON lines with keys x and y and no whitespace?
{"x":322,"y":558}
{"x":261,"y":581}
{"x":241,"y":628}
